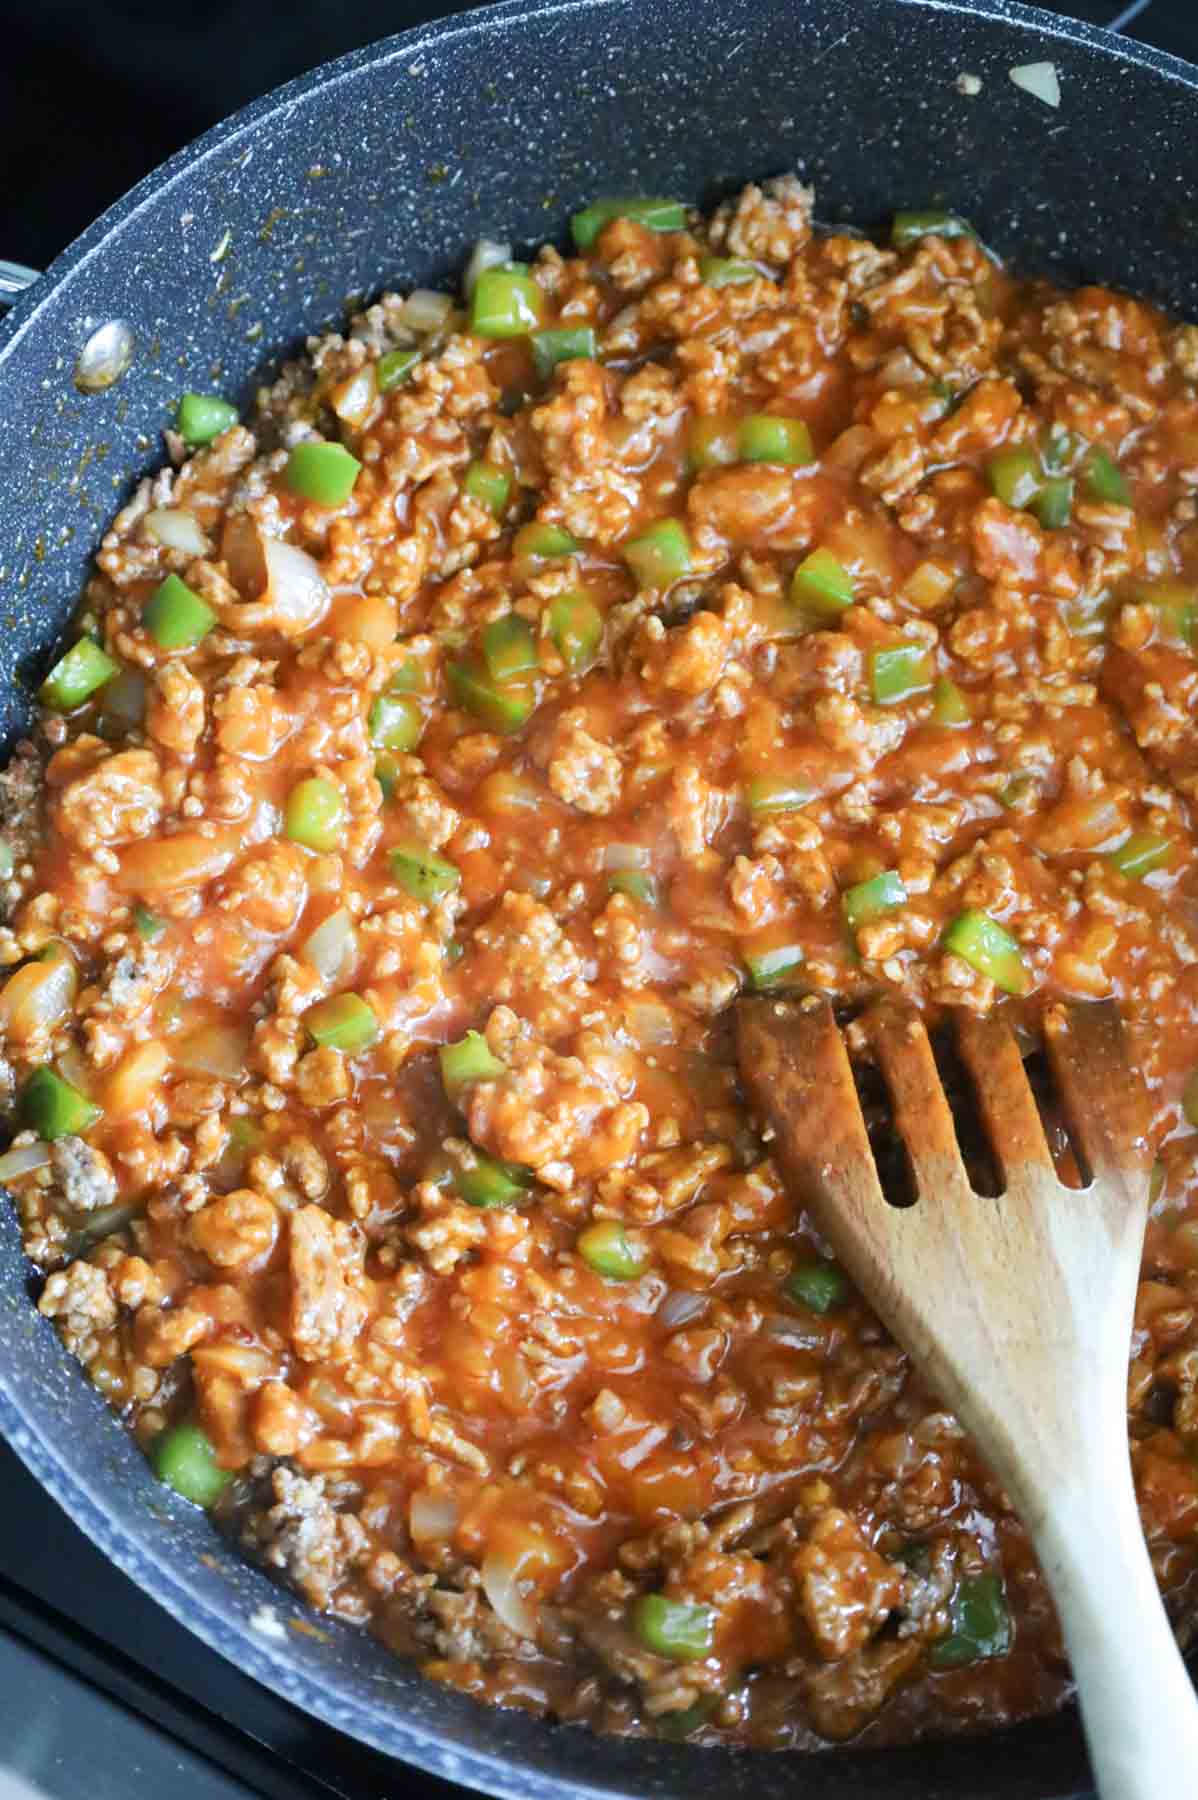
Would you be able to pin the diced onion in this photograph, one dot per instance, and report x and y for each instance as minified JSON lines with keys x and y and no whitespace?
{"x":1039,"y":79}
{"x":125,"y":698}
{"x":500,"y":1586}
{"x":425,"y":311}
{"x":177,"y":529}
{"x":282,"y":586}
{"x":39,"y":995}
{"x":332,"y":948}
{"x":296,"y":589}
{"x":486,"y":254}
{"x":23,"y":1160}
{"x":353,"y":399}
{"x":651,"y":1022}
{"x":680,"y":1306}
{"x":218,"y":1050}
{"x":72,"y":1068}
{"x":627,"y":856}
{"x":432,"y":1516}
{"x":782,"y":1328}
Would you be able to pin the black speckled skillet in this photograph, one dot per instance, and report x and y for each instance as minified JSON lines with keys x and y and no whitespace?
{"x":381,"y":168}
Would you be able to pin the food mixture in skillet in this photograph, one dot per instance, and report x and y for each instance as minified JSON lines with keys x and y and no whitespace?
{"x":438,"y":757}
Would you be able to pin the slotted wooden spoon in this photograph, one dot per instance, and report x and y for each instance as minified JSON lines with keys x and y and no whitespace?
{"x":1018,"y":1311}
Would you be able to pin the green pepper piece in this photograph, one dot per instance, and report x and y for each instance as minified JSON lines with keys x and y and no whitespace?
{"x":509,"y":647}
{"x":606,"y":1248}
{"x":712,"y":443}
{"x":1174,"y":604}
{"x":422,"y":873}
{"x":8,"y":861}
{"x":766,"y":438}
{"x":821,"y":585}
{"x":1015,"y":476}
{"x":679,"y":1629}
{"x":562,"y":344}
{"x":635,"y":884}
{"x":726,"y":271}
{"x":678,"y":1726}
{"x":343,"y":1022}
{"x":818,"y":1285}
{"x":872,"y":899}
{"x":576,"y":628}
{"x":1053,"y":505}
{"x":315,"y":814}
{"x":898,"y":672}
{"x":778,"y":794}
{"x":76,"y":676}
{"x":488,"y":485}
{"x":492,"y":1183}
{"x":201,"y":417}
{"x":949,"y":705}
{"x":1104,"y":479}
{"x":395,"y":723}
{"x":148,"y":925}
{"x":1142,"y":852}
{"x":981,"y":1624}
{"x":176,"y":617}
{"x":504,"y":706}
{"x":771,"y":968}
{"x":656,"y":215}
{"x":387,"y":773}
{"x":909,"y":227}
{"x":184,"y":1459}
{"x":395,"y":367}
{"x":506,"y":303}
{"x":537,"y":542}
{"x":53,"y":1108}
{"x":322,"y":473}
{"x":986,"y":947}
{"x":468,"y":1060}
{"x":659,"y":556}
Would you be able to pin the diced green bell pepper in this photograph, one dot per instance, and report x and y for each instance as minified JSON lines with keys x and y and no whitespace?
{"x":492,"y":1183}
{"x":765,"y":438}
{"x":659,"y":556}
{"x":1015,"y":476}
{"x":395,"y":367}
{"x":53,"y":1108}
{"x":778,"y":794}
{"x":503,"y":706}
{"x":576,"y":628}
{"x":606,"y":1248}
{"x":488,"y":485}
{"x":509,"y":647}
{"x":678,"y":1726}
{"x":635,"y":884}
{"x":981,"y":942}
{"x":537,"y":542}
{"x":201,"y":417}
{"x":898,"y":672}
{"x":981,"y":1624}
{"x":949,"y":705}
{"x":343,"y":1022}
{"x":506,"y":303}
{"x":184,"y":1459}
{"x":818,"y":1285}
{"x":1104,"y":479}
{"x":315,"y":814}
{"x":422,"y":873}
{"x":771,"y":968}
{"x":76,"y":676}
{"x":176,"y":617}
{"x":680,"y":1629}
{"x":711,"y":443}
{"x":469,"y":1059}
{"x":872,"y":899}
{"x":726,"y":271}
{"x":322,"y":473}
{"x":909,"y":227}
{"x":148,"y":925}
{"x":1142,"y":852}
{"x":562,"y":344}
{"x":1053,"y":505}
{"x":656,"y":215}
{"x":395,"y":723}
{"x":821,"y":585}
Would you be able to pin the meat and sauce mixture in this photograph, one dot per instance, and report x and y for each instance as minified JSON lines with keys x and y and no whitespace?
{"x":724,"y":606}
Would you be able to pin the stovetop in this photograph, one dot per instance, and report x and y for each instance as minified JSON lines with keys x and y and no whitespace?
{"x":102,"y":1694}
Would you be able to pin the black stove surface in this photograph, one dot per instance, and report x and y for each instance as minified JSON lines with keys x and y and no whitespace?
{"x":101,"y":1693}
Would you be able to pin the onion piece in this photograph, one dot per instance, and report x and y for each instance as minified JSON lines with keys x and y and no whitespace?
{"x":500,"y":1586}
{"x":1038,"y":79}
{"x":218,"y":1050}
{"x":488,"y":253}
{"x":352,"y":400}
{"x":124,"y":698}
{"x":176,"y":529}
{"x":627,"y":856}
{"x":425,"y":311}
{"x":283,"y":587}
{"x":680,"y":1306}
{"x":74,"y":1069}
{"x":432,"y":1516}
{"x":23,"y":1160}
{"x":40,"y":994}
{"x":332,"y":948}
{"x":651,"y":1022}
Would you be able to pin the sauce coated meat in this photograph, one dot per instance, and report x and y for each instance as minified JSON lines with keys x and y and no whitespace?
{"x":438,"y":757}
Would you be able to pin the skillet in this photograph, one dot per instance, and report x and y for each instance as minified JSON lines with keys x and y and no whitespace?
{"x":381,"y":168}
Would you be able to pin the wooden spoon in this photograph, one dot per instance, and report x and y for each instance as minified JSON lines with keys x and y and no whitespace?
{"x":1017,"y":1310}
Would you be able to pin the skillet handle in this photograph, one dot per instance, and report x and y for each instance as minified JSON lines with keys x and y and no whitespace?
{"x":14,"y":279}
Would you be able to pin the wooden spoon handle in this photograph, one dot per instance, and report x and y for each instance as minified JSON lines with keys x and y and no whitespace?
{"x":1138,"y":1707}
